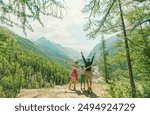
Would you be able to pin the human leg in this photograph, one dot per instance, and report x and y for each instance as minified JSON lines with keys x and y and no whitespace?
{"x":83,"y":81}
{"x":70,"y":83}
{"x":90,"y":79}
{"x":74,"y":83}
{"x":84,"y":85}
{"x":81,"y":85}
{"x":86,"y":79}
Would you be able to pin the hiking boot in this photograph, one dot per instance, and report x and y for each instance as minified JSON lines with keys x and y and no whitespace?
{"x":89,"y":90}
{"x":69,"y":87}
{"x":83,"y":90}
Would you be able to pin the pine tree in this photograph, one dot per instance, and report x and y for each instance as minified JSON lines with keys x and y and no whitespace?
{"x":105,"y":59}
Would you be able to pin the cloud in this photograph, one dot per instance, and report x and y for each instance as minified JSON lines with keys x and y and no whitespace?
{"x":68,"y":31}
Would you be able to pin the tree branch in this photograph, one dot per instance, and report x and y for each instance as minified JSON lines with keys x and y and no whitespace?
{"x":140,"y":23}
{"x":105,"y":17}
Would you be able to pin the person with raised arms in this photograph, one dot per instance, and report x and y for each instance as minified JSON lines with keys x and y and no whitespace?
{"x":88,"y":72}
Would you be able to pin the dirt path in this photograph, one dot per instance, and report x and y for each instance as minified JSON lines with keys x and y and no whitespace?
{"x":99,"y":90}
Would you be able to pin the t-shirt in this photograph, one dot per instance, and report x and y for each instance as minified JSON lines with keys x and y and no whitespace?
{"x":87,"y":64}
{"x":82,"y":71}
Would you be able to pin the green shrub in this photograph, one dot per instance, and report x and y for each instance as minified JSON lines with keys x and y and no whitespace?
{"x":146,"y":89}
{"x":119,"y":90}
{"x":1,"y":92}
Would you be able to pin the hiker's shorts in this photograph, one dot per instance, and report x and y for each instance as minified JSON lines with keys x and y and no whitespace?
{"x":88,"y":75}
{"x":82,"y":78}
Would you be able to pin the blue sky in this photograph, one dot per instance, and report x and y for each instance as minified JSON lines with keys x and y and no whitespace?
{"x":67,"y":32}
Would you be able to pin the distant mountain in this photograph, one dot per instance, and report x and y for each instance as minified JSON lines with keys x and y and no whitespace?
{"x":57,"y":51}
{"x":23,"y":42}
{"x":98,"y":48}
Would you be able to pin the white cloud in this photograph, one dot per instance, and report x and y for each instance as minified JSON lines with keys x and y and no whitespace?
{"x":67,"y":31}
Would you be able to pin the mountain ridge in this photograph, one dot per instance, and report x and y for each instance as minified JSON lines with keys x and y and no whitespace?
{"x":55,"y":49}
{"x":98,"y":48}
{"x":59,"y":55}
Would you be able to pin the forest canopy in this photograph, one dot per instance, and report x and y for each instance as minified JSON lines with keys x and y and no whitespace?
{"x":131,"y":20}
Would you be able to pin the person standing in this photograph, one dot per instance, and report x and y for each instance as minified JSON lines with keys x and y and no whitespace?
{"x":88,"y":71}
{"x":73,"y":73}
{"x":82,"y":77}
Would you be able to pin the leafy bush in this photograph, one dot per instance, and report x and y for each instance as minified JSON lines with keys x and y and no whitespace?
{"x":119,"y":90}
{"x":146,"y":90}
{"x":1,"y":92}
{"x":48,"y":85}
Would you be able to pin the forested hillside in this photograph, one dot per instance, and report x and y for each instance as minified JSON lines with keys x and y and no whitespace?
{"x":113,"y":67}
{"x":23,"y":66}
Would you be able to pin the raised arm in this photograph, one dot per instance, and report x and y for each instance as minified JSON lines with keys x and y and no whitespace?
{"x":93,"y":58}
{"x":66,"y":62}
{"x":83,"y":57}
{"x":72,"y":64}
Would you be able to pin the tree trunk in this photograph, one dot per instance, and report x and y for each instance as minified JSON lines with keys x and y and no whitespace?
{"x":127,"y":52}
{"x":145,"y":43}
{"x":105,"y":59}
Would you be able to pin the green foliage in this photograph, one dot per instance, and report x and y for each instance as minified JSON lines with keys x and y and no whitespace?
{"x":10,"y":86}
{"x":116,"y":61}
{"x":119,"y":89}
{"x":6,"y":39}
{"x":1,"y":92}
{"x":48,"y":85}
{"x":24,"y":68}
{"x":136,"y":17}
{"x":146,"y":89}
{"x":140,"y":40}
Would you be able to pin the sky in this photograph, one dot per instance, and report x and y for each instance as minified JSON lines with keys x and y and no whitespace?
{"x":68,"y":32}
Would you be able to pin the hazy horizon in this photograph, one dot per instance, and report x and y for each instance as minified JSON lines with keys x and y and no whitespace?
{"x":67,"y":31}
